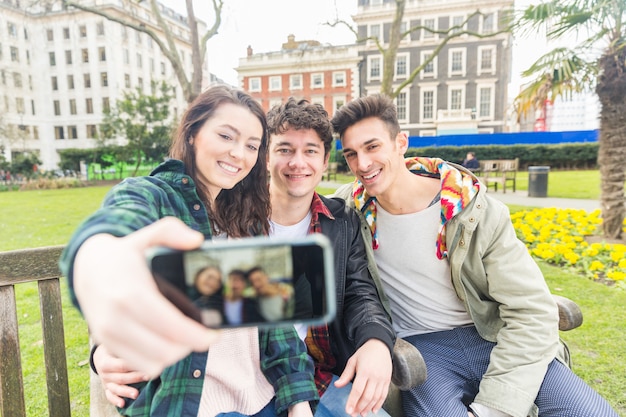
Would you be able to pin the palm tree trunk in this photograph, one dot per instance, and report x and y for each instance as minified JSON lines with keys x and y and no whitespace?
{"x":611,"y":90}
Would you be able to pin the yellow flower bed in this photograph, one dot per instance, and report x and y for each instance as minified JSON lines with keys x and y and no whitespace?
{"x":558,"y":237}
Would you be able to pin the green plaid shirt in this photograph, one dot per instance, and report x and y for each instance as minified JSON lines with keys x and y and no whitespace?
{"x":138,"y":202}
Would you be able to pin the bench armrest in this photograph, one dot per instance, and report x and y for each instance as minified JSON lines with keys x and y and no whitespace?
{"x":409,"y":368}
{"x":570,"y":315}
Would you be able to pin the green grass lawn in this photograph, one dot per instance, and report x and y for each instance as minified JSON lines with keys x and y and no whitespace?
{"x":39,"y":218}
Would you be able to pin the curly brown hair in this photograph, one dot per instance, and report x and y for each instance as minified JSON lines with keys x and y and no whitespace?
{"x":243,"y":210}
{"x":301,"y":115}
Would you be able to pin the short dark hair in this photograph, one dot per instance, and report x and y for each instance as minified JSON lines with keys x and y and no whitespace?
{"x":377,"y":105}
{"x":300,"y":115}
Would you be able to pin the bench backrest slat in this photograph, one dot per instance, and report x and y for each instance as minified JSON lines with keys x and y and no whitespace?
{"x":23,"y":266}
{"x":11,"y":383}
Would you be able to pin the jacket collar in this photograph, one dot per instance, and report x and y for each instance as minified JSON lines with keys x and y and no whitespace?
{"x":458,"y":188}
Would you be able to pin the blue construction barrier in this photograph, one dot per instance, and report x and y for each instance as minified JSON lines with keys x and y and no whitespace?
{"x":527,"y":138}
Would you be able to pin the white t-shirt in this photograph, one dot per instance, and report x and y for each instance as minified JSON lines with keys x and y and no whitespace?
{"x":418,"y":284}
{"x":294,"y":231}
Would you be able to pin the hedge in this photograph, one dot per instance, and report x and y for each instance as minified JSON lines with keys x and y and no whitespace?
{"x":562,"y":156}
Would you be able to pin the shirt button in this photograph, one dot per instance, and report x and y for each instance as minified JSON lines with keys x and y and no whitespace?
{"x":196,"y":207}
{"x":479,"y":205}
{"x":472,"y":220}
{"x":185,"y":180}
{"x":197,"y":373}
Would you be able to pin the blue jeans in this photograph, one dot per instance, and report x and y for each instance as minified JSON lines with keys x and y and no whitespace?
{"x":268,"y":411}
{"x":333,"y":402}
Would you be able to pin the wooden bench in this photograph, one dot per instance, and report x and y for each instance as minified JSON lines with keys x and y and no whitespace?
{"x":41,"y":265}
{"x":498,"y":172}
{"x":331,"y":171}
{"x":38,"y":265}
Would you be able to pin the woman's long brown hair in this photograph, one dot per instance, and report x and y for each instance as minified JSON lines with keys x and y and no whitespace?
{"x":243,"y":210}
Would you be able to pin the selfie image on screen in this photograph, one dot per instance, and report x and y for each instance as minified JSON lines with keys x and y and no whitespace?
{"x":242,"y":285}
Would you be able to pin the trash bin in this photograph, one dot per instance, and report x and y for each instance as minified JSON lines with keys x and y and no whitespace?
{"x":538,"y":181}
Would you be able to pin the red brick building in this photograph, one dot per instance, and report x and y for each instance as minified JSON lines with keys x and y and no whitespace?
{"x":324,"y":74}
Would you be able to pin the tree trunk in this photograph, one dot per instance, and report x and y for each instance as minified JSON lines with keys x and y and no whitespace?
{"x":611,"y":90}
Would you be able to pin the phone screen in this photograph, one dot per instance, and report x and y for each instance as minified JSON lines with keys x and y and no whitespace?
{"x":252,"y":281}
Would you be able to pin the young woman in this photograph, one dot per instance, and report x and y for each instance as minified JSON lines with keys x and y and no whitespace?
{"x":213,"y":185}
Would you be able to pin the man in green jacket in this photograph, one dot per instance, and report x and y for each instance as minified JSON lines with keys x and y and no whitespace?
{"x":463,"y":289}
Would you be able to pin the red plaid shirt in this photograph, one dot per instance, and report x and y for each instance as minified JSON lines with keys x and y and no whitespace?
{"x":318,"y":338}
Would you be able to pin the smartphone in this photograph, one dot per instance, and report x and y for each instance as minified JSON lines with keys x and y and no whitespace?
{"x":256,"y":281}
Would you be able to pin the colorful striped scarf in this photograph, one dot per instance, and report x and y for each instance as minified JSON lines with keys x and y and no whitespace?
{"x":457,"y":190}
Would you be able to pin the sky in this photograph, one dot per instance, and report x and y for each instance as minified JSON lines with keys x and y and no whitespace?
{"x":265,"y":25}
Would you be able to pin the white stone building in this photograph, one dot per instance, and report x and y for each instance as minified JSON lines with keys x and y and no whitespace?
{"x":60,"y":68}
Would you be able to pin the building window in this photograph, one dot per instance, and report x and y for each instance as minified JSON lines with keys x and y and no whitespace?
{"x":455,"y":98}
{"x":456,"y":59}
{"x":102,"y":54}
{"x":140,"y":83}
{"x":428,"y":105}
{"x":87,"y":80}
{"x":82,"y":29}
{"x":17,"y":80}
{"x":485,"y":102}
{"x":59,"y":133}
{"x":104,"y":79}
{"x":70,"y":82}
{"x":401,"y":107}
{"x":487,"y":23}
{"x":66,"y":33}
{"x":68,"y":57}
{"x":89,"y":106}
{"x":72,"y":132}
{"x":317,"y":80}
{"x":85,"y":54}
{"x":486,"y":60}
{"x":162,"y":68}
{"x":106,"y":105}
{"x":295,"y":82}
{"x":55,"y":84}
{"x":15,"y":54}
{"x":456,"y":24}
{"x":402,"y":65}
{"x":100,"y":28}
{"x":92,"y":131}
{"x":338,"y":102}
{"x":254,"y":84}
{"x":373,"y":32}
{"x":139,"y":61}
{"x":57,"y":107}
{"x":138,"y":37}
{"x":275,"y":83}
{"x":12,"y":30}
{"x":373,"y":63}
{"x":35,"y":133}
{"x":50,"y":35}
{"x":429,"y":69}
{"x":72,"y":106}
{"x":339,"y":79}
{"x":52,"y":59}
{"x":19,"y":105}
{"x":429,"y":24}
{"x":127,"y":80}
